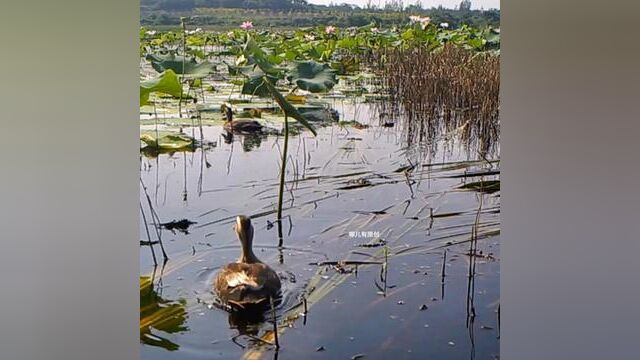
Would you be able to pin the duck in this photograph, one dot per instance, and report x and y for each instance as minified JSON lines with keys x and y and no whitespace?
{"x":247,"y":283}
{"x":240,"y":125}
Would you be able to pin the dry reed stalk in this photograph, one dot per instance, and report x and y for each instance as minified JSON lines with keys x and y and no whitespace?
{"x":450,"y":94}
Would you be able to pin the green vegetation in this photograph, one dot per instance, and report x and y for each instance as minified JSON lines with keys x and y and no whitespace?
{"x":165,"y":83}
{"x":225,"y":14}
{"x":344,"y":49}
{"x":159,"y":314}
{"x":282,"y":76}
{"x":450,"y":93}
{"x":430,"y":81}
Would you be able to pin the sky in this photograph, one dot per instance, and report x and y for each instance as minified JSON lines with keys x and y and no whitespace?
{"x":475,"y":4}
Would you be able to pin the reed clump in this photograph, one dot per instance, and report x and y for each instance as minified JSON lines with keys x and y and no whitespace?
{"x":450,"y":93}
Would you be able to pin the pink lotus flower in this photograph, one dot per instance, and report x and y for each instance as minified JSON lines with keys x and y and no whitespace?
{"x":424,"y":21}
{"x":375,"y":30}
{"x":330,"y":29}
{"x":247,"y":25}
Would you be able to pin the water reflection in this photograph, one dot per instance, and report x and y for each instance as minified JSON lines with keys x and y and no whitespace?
{"x":420,"y":208}
{"x":159,"y":314}
{"x":249,"y":142}
{"x":153,"y":152}
{"x":247,"y":322}
{"x":252,"y":141}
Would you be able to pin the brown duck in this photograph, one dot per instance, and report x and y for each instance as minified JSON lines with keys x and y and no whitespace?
{"x":241,"y":125}
{"x":248,"y":282}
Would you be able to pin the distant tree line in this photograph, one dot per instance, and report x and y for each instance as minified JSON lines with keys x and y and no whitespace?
{"x":299,"y":13}
{"x":188,"y":5}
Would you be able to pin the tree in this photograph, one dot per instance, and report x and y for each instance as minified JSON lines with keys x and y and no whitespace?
{"x":465,"y":5}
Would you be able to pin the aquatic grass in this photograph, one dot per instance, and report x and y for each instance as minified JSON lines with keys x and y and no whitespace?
{"x":156,"y":222}
{"x":415,"y":227}
{"x":451,"y":92}
{"x":319,"y":286}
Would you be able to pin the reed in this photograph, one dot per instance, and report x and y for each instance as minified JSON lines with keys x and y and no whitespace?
{"x":446,"y":94}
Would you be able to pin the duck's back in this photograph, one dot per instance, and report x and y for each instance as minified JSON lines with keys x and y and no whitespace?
{"x":243,"y":125}
{"x":242,"y":284}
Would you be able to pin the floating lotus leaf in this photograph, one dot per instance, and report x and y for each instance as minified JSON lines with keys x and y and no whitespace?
{"x":166,"y":83}
{"x":172,"y":141}
{"x":174,"y":62}
{"x":312,"y":76}
{"x":253,"y":85}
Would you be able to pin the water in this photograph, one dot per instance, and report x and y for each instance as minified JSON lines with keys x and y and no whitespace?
{"x":345,"y":196}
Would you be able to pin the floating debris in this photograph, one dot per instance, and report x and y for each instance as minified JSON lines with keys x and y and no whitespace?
{"x":377,"y":243}
{"x":356,"y":184}
{"x":406,"y":168}
{"x":180,"y":225}
{"x":487,"y":186}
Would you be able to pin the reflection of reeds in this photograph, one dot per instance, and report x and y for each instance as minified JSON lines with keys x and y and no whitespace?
{"x":156,"y":223}
{"x":150,"y":241}
{"x":275,"y":323}
{"x":450,"y":94}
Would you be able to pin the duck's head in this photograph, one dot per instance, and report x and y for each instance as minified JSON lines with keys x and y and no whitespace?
{"x":244,"y":231}
{"x":227,"y":110}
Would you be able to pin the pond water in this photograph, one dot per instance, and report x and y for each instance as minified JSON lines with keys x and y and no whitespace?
{"x":367,"y":225}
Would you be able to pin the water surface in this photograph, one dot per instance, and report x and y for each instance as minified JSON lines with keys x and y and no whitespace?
{"x":348,"y":192}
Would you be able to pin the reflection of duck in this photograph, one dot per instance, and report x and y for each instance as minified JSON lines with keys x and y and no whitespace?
{"x":241,"y":125}
{"x":251,"y":141}
{"x":247,"y":282}
{"x":228,"y":137}
{"x":248,"y":322}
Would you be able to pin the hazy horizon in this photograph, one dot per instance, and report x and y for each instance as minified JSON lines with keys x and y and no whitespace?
{"x":475,"y":4}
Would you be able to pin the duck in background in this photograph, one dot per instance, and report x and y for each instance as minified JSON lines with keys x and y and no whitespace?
{"x":245,"y":126}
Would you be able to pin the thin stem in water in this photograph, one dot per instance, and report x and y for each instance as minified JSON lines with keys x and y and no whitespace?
{"x":283,"y":167}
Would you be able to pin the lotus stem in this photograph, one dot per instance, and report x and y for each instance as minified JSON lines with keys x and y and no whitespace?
{"x":184,"y":56}
{"x":283,"y":166}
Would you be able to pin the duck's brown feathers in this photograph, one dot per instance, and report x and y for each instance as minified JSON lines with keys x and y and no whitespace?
{"x":241,"y":284}
{"x":242,"y":126}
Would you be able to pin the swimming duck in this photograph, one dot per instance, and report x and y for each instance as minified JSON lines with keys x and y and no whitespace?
{"x":241,"y":125}
{"x":248,"y":282}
